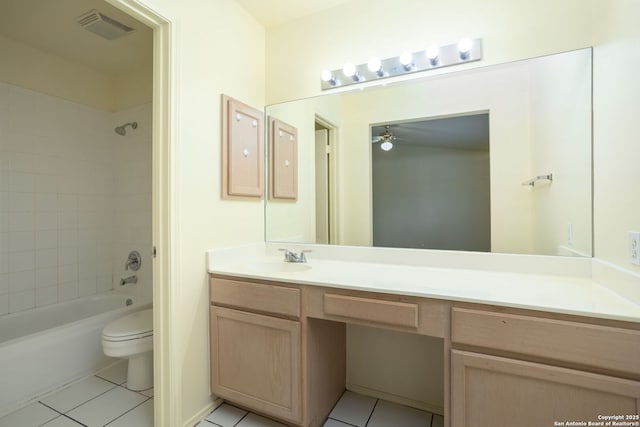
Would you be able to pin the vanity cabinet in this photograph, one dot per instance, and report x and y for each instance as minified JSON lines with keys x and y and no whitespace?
{"x":515,"y":369}
{"x":256,"y":346}
{"x":257,"y":361}
{"x":279,"y":349}
{"x":268,"y":357}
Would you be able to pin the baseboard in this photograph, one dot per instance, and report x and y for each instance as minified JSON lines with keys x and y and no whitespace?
{"x":202,"y":414}
{"x":425,"y":406}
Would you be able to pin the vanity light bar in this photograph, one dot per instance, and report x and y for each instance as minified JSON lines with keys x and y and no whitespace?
{"x":466,"y":50}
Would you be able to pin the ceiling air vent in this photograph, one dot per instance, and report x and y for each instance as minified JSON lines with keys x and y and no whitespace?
{"x":102,"y":25}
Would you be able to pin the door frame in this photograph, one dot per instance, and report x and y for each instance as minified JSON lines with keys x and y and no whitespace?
{"x":167,"y":410}
{"x":332,"y":130}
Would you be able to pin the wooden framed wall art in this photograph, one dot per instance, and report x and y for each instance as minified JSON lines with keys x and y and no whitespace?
{"x":242,"y":150}
{"x":283,"y":160}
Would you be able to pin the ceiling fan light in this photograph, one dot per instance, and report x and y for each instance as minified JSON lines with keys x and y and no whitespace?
{"x":386,"y":146}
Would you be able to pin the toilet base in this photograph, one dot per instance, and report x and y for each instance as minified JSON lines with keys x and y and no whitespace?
{"x":140,"y":372}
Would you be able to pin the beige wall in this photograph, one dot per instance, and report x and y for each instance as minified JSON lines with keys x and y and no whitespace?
{"x":503,"y":93}
{"x":364,"y":28}
{"x":217,"y":48}
{"x":34,"y":69}
{"x":616,"y":141}
{"x":206,"y":34}
{"x":293,"y":220}
{"x":510,"y":30}
{"x":560,"y":93}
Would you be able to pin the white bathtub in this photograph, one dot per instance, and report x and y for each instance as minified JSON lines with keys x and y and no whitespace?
{"x":47,"y":347}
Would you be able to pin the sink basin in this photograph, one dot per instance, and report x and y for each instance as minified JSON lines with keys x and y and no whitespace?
{"x":277,"y":267}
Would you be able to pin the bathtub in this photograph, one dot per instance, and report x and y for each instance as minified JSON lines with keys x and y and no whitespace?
{"x":47,"y":347}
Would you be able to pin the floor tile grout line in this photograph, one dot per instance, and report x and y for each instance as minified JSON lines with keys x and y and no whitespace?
{"x":375,"y":405}
{"x":127,"y":411}
{"x":59,"y":415}
{"x":69,"y":418}
{"x":77,"y":406}
{"x":371,"y":414}
{"x":334,"y":406}
{"x":340,"y":421}
{"x":45,"y":405}
{"x":112,"y":382}
{"x":243,"y":417}
{"x":49,"y":407}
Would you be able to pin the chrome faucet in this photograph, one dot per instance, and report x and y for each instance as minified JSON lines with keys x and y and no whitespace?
{"x":293,"y":257}
{"x":134,"y":260}
{"x":130,"y":279}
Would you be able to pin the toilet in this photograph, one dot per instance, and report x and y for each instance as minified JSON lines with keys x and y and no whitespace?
{"x":131,"y":337}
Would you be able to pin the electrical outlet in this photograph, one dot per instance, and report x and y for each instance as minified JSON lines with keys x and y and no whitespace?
{"x":634,"y":247}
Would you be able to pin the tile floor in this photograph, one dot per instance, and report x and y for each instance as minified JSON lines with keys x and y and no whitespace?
{"x":97,"y":401}
{"x":352,"y":410}
{"x":103,"y":400}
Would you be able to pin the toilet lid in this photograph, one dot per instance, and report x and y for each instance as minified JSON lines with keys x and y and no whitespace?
{"x":138,"y":324}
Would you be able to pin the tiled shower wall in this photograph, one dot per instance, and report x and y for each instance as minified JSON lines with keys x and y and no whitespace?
{"x":132,"y":213}
{"x":59,"y":173}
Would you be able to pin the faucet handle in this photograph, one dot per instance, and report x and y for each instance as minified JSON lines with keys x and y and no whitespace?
{"x":133,"y":261}
{"x":302,"y":257}
{"x":288,"y":255}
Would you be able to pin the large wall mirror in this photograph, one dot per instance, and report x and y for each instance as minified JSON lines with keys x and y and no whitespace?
{"x":496,"y":158}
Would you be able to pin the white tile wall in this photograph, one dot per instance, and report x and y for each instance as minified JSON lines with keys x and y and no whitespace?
{"x":75,"y":197}
{"x":133,"y":196}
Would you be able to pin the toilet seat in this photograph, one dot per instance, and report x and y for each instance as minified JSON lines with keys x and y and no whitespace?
{"x":134,"y":326}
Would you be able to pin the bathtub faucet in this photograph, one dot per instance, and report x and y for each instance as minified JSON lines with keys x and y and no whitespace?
{"x":130,"y":279}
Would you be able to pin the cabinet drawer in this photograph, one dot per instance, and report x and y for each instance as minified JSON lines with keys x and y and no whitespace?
{"x":255,"y":296}
{"x":372,"y":310}
{"x":585,"y":344}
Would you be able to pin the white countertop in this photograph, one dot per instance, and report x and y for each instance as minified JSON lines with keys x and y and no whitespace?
{"x":571,"y":290}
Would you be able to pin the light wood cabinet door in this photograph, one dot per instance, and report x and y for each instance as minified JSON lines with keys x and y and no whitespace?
{"x":256,"y":362}
{"x":495,"y":391}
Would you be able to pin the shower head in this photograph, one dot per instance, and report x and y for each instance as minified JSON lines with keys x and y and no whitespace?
{"x":120,"y":130}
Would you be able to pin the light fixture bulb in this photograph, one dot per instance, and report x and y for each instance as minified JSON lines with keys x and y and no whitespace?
{"x":349,"y":69}
{"x":386,"y":146}
{"x":326,"y":76}
{"x":375,"y":66}
{"x":433,"y":54}
{"x":406,"y":59}
{"x":464,"y":48}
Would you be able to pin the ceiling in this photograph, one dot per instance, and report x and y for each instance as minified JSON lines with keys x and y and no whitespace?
{"x":274,"y":12}
{"x":50,"y":26}
{"x":470,"y":132}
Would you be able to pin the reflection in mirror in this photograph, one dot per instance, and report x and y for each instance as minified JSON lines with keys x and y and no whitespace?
{"x":538,"y":113}
{"x":430,"y":184}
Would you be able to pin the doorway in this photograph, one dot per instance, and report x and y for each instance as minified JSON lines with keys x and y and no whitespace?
{"x":159,"y":126}
{"x":324,"y":181}
{"x":430,"y":183}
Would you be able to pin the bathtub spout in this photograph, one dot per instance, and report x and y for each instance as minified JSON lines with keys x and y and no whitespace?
{"x":130,"y":279}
